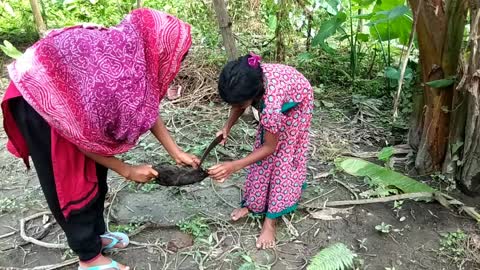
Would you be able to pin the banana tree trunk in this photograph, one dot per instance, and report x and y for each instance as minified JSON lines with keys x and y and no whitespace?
{"x":440,"y":30}
{"x":463,"y":156}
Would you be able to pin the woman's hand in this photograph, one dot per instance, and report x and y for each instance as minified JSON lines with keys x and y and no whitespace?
{"x":140,"y":173}
{"x":225,"y":131}
{"x":183,"y":158}
{"x":222,"y":171}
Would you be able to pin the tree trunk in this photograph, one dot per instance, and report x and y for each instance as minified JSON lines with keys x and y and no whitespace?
{"x":440,"y":30}
{"x":463,"y":157}
{"x":225,"y":29}
{"x":37,"y":16}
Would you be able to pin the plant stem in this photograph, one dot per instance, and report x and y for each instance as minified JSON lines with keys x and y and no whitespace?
{"x":404,"y":63}
{"x":353,"y":50}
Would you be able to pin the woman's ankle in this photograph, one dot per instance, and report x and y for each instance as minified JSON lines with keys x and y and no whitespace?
{"x":97,"y":260}
{"x":92,"y":259}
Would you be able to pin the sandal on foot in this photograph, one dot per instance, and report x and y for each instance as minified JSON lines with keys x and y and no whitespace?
{"x":113,"y":265}
{"x":114,"y":238}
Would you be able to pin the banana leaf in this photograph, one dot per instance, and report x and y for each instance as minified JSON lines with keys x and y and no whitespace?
{"x":381,"y":176}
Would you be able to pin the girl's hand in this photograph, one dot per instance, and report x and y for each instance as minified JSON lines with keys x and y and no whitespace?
{"x":140,"y":173}
{"x":221,"y":172}
{"x":225,"y":131}
{"x":187,"y":159}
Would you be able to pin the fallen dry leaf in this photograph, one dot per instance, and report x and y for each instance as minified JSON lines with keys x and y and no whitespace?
{"x":331,"y":213}
{"x":475,"y":240}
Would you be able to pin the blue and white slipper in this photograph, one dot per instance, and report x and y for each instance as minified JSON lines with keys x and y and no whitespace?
{"x":113,"y":265}
{"x":115,"y":237}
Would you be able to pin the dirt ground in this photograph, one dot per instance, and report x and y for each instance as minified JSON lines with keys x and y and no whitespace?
{"x":189,"y":228}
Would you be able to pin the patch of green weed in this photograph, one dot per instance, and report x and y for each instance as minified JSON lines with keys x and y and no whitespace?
{"x":8,"y":205}
{"x":452,"y":244}
{"x":196,"y":226}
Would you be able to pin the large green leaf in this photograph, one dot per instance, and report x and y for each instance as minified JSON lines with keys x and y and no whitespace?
{"x":363,"y":37}
{"x":272,"y":22}
{"x":331,"y":6}
{"x":392,"y":14}
{"x":391,"y":20}
{"x":364,"y":3}
{"x":381,"y":176}
{"x":10,"y":50}
{"x":441,"y":83}
{"x":394,"y":74}
{"x":8,"y":8}
{"x":328,"y":29}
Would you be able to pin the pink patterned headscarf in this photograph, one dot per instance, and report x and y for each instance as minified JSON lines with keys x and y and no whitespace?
{"x":100,"y":88}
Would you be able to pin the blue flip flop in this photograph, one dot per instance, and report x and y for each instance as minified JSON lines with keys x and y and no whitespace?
{"x":114,"y":237}
{"x":113,"y":265}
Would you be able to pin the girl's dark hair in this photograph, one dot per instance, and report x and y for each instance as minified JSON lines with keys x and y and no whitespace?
{"x":240,"y":82}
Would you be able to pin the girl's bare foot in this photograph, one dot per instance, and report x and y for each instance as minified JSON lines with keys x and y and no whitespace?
{"x":267,"y":236}
{"x":101,"y":260}
{"x":239,"y":213}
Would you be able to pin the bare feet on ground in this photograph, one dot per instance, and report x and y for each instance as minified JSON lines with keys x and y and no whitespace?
{"x":267,"y":236}
{"x":102,"y":260}
{"x":239,"y":213}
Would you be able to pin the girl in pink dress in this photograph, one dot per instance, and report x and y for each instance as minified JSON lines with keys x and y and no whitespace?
{"x":277,"y":166}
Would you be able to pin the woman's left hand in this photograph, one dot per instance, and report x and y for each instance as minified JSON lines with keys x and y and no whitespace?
{"x":187,"y":159}
{"x":222,"y":171}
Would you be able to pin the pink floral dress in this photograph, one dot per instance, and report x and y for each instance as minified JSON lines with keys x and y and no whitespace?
{"x":274,"y":185}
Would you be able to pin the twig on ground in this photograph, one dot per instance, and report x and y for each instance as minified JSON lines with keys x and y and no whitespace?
{"x":444,"y":199}
{"x":205,"y":258}
{"x":293,"y":231}
{"x":220,"y":197}
{"x":33,"y":240}
{"x":347,"y":187}
{"x":7,"y":235}
{"x":44,"y":267}
{"x":121,"y":186}
{"x":412,"y":196}
{"x":318,"y":197}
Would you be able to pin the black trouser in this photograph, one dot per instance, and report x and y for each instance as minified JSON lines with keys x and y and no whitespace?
{"x":83,"y":228}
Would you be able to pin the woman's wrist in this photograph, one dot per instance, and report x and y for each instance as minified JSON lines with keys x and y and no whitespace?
{"x":124,"y":170}
{"x":175,"y":153}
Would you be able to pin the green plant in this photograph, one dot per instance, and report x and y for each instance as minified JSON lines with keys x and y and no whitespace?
{"x":386,"y":154}
{"x":8,"y":205}
{"x":445,"y":179}
{"x":397,"y":205}
{"x":132,"y":226}
{"x":10,"y":50}
{"x":196,"y":226}
{"x":453,"y":244}
{"x":249,"y":264}
{"x":334,"y":257}
{"x":377,"y":190}
{"x":384,"y":228}
{"x":125,"y":228}
{"x":68,"y":254}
